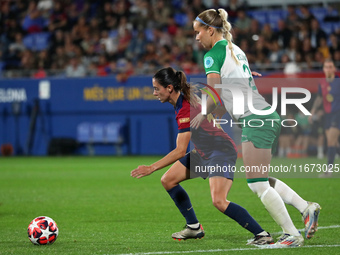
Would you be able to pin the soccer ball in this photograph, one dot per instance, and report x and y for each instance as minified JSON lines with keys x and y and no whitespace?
{"x":42,"y":230}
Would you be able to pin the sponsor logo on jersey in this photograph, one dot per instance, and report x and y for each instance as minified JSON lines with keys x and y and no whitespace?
{"x":184,"y":120}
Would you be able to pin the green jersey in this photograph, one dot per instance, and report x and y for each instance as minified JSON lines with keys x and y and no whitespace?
{"x":236,"y":77}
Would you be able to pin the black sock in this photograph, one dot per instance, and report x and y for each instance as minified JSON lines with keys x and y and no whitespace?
{"x":242,"y":217}
{"x":182,"y":201}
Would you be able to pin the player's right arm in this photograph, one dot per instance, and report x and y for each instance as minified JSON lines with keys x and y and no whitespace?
{"x":182,"y":143}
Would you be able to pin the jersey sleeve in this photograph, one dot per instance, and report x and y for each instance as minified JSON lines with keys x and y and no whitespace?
{"x":183,"y":119}
{"x":212,"y":63}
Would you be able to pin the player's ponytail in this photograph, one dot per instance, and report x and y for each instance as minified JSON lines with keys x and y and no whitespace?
{"x":218,"y":19}
{"x":177,"y":79}
{"x":227,"y":28}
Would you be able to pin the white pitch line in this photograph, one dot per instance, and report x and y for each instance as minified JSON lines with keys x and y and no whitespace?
{"x":238,"y":249}
{"x":225,"y":250}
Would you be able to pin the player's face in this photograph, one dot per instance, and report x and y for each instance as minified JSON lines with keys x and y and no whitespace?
{"x":202,"y":35}
{"x":329,"y":69}
{"x":160,"y":92}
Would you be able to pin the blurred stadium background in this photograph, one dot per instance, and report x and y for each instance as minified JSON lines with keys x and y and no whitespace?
{"x":75,"y":76}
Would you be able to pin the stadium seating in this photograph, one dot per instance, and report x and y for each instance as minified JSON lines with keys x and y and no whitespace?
{"x":37,"y":41}
{"x":91,"y":134}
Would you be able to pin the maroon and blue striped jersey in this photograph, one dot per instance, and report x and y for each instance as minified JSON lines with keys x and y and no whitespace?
{"x":330,"y":92}
{"x":208,"y":139}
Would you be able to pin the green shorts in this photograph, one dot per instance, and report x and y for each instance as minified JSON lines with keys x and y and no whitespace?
{"x":262,"y":131}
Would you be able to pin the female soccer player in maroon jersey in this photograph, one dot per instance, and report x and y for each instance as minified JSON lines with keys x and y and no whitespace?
{"x":213,"y":148}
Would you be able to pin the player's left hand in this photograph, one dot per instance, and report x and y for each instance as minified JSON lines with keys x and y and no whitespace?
{"x":141,"y":171}
{"x":196,"y":122}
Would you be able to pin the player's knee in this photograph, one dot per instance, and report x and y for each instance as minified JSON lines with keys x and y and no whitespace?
{"x":166,"y":182}
{"x":259,"y":188}
{"x":219,"y":202}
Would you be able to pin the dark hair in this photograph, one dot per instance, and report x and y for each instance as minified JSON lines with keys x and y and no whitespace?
{"x":178,"y":79}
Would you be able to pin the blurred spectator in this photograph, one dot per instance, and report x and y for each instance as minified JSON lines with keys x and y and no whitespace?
{"x":45,"y":4}
{"x":293,"y":49}
{"x":59,"y":59}
{"x":72,"y":13}
{"x":336,"y":56}
{"x":41,"y":72}
{"x":17,"y":47}
{"x":290,"y":67}
{"x":102,"y":66}
{"x":172,"y":26}
{"x":161,"y":38}
{"x":75,"y":68}
{"x":90,"y":56}
{"x":244,"y":45}
{"x":150,"y":54}
{"x":110,"y":46}
{"x":307,"y":50}
{"x":33,"y":21}
{"x":124,"y":42}
{"x":121,"y":9}
{"x":122,"y":29}
{"x":27,"y":61}
{"x":137,"y":46}
{"x":58,"y":17}
{"x":242,"y":24}
{"x":261,"y":51}
{"x":94,"y":26}
{"x":161,"y":12}
{"x":188,"y":32}
{"x":196,"y":6}
{"x":254,"y":32}
{"x":232,"y":8}
{"x":140,"y":14}
{"x":180,"y":39}
{"x":303,"y":32}
{"x":57,"y":40}
{"x":323,"y":48}
{"x":43,"y":60}
{"x":165,"y":55}
{"x":283,"y":35}
{"x":267,"y":33}
{"x":80,"y":29}
{"x":111,"y":68}
{"x":306,"y":15}
{"x":334,"y":44}
{"x":293,"y":21}
{"x":316,"y":33}
{"x":275,"y":52}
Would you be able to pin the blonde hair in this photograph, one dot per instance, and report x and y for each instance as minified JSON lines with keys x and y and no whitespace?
{"x":219,"y":21}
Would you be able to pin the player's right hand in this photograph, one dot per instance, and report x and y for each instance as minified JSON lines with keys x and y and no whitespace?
{"x":141,"y":171}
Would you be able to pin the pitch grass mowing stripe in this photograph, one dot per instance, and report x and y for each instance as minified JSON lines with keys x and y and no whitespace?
{"x":226,"y":250}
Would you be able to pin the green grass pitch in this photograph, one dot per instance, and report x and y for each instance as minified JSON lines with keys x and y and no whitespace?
{"x":100,"y":209}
